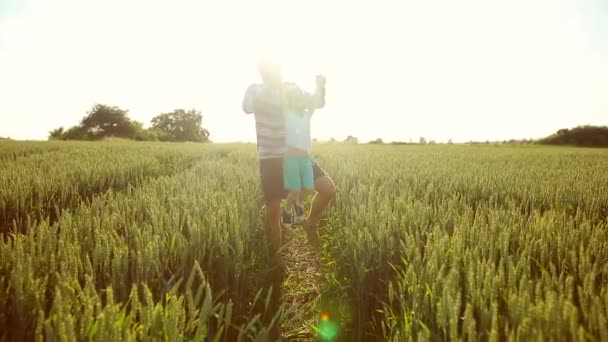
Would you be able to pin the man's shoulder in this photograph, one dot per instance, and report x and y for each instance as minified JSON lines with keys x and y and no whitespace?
{"x":254,"y":86}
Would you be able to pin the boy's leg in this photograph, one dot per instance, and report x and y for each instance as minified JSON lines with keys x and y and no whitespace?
{"x":293,"y":198}
{"x":293,"y":184}
{"x":308,"y":177}
{"x":291,"y":173}
{"x":308,"y":183}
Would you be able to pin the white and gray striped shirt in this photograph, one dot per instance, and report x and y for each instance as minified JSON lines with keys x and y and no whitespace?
{"x":268,"y":104}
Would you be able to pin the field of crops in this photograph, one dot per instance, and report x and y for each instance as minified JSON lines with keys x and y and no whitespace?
{"x":118,"y":241}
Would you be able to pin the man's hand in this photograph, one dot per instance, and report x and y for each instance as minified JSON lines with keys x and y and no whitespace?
{"x":321,"y":80}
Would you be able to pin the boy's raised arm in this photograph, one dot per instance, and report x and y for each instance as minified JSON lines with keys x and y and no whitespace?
{"x":317,"y":100}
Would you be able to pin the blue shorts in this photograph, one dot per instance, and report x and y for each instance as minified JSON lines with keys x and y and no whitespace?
{"x":298,"y":173}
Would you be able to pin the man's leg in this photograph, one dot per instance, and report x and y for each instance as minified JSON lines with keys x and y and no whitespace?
{"x":271,"y":171}
{"x":326,"y":191}
{"x":273,"y":225}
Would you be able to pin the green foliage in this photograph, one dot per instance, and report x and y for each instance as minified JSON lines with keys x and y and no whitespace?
{"x":477,"y":243}
{"x":76,"y":133}
{"x":143,"y":262}
{"x":351,"y":139}
{"x":104,"y":121}
{"x":181,"y":125}
{"x":56,"y":134}
{"x":590,"y":136}
{"x":39,"y":185}
{"x":108,"y":121}
{"x":150,"y":241}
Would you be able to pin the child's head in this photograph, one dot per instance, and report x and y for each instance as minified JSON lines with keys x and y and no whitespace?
{"x":295,"y":99}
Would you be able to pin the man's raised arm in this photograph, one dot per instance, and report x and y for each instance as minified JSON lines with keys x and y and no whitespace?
{"x":249,"y":99}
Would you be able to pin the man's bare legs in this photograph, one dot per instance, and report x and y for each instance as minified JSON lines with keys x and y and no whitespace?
{"x":273,"y":227}
{"x":326,"y":191}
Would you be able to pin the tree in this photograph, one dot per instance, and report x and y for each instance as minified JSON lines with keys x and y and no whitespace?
{"x":351,"y":139}
{"x":590,"y":136}
{"x":181,"y":125}
{"x":422,"y":141}
{"x":56,"y":134}
{"x":76,"y":133}
{"x":142,"y":134}
{"x":377,"y":141}
{"x":105,"y":121}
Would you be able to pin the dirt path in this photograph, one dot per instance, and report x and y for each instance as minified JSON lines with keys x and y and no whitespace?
{"x":301,"y":287}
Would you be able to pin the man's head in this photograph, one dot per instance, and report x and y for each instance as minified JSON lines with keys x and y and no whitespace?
{"x":270,"y":73}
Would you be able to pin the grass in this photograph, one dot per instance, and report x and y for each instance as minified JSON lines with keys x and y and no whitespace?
{"x":150,"y":241}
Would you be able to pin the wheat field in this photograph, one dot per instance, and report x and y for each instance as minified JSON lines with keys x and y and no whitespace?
{"x":123,"y":241}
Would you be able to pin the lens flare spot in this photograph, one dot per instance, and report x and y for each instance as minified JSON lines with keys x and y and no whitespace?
{"x":327,"y":328}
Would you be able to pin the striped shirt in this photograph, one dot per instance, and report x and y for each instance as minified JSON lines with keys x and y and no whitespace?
{"x":268,"y":104}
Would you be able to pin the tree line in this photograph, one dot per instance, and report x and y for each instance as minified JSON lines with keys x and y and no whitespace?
{"x":104,"y":121}
{"x":588,"y":136}
{"x":583,"y":136}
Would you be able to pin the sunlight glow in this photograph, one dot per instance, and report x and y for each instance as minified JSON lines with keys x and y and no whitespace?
{"x":396,"y":69}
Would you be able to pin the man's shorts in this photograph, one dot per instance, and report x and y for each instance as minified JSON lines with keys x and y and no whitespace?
{"x":271,"y":172}
{"x":297,"y":173}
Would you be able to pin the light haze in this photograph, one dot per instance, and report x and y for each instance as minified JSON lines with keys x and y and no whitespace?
{"x":397,"y":70}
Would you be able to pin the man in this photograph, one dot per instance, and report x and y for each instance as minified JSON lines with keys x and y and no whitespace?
{"x":267,"y":102}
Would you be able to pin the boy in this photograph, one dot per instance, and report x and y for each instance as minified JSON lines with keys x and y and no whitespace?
{"x":298,"y":174}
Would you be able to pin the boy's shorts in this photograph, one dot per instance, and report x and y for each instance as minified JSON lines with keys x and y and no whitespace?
{"x":298,"y":173}
{"x":272,"y":180}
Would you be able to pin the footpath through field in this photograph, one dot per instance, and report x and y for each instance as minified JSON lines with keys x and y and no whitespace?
{"x":315,"y":306}
{"x":301,"y":286}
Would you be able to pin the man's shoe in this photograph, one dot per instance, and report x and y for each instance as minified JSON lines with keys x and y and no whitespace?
{"x":312,"y":234}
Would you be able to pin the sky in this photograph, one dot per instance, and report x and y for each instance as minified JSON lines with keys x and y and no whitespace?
{"x":397,"y":70}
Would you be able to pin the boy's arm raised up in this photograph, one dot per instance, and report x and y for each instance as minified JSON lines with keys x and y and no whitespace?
{"x":316,"y":100}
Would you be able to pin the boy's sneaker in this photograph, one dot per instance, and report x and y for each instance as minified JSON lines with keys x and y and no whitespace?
{"x":287,"y":217}
{"x":299,"y":210}
{"x":299,"y":213}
